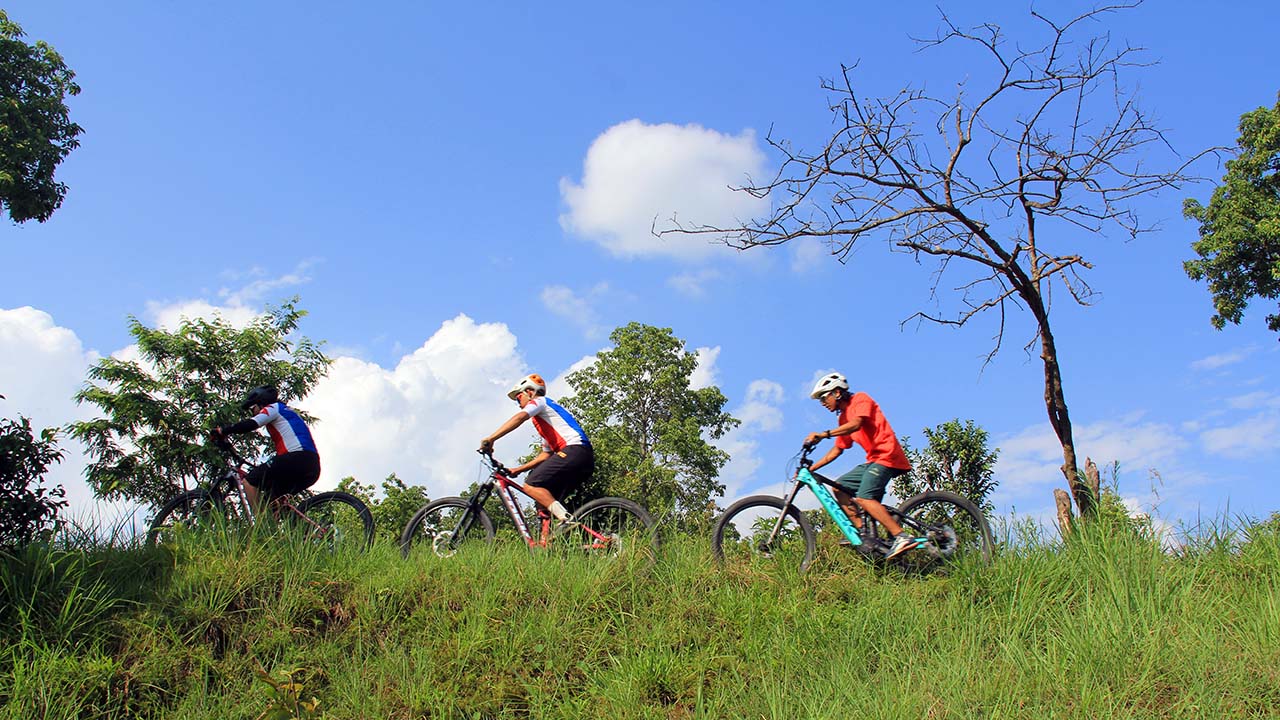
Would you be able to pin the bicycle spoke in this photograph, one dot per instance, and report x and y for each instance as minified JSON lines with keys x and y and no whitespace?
{"x":749,"y":534}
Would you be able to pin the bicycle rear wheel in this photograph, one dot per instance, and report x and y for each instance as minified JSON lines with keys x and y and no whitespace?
{"x":337,"y":520}
{"x":610,"y":527}
{"x":957,"y":530}
{"x":191,"y":511}
{"x":741,"y":535}
{"x":445,"y":525}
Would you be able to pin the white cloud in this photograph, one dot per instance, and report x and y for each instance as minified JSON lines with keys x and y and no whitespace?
{"x":559,"y":387}
{"x":241,"y":305}
{"x":693,"y":284}
{"x":170,"y":314}
{"x":1255,"y":435}
{"x":42,"y":365}
{"x":1030,"y":462}
{"x":424,"y":418}
{"x":636,"y":174}
{"x":760,"y":413}
{"x":807,"y":254}
{"x":577,"y":309}
{"x":261,"y":287}
{"x":1254,"y":400}
{"x":1214,"y":362}
{"x":704,"y":375}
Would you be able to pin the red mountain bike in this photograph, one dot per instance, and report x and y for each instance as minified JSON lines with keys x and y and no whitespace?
{"x":606,"y":526}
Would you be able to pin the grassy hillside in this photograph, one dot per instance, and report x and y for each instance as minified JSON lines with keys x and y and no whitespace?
{"x":1109,"y":627}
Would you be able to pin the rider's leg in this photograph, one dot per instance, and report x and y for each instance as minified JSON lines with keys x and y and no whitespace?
{"x":540,"y":495}
{"x":845,"y":500}
{"x":874,"y":479}
{"x":558,"y":475}
{"x":255,"y":486}
{"x":876,"y":510}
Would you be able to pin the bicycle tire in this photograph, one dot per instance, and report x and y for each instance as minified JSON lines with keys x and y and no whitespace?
{"x":433,"y":525}
{"x":956,"y":528}
{"x":627,"y":527}
{"x":190,"y":510}
{"x":739,"y":534}
{"x":338,"y":519}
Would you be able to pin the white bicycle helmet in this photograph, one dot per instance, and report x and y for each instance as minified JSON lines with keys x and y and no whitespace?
{"x":827,"y":383}
{"x":532,"y":381}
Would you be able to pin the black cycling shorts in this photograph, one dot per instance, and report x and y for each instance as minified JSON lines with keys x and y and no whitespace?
{"x":564,"y":471}
{"x":287,"y":473}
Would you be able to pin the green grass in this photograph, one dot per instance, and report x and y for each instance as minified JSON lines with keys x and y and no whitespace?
{"x":1108,"y":626}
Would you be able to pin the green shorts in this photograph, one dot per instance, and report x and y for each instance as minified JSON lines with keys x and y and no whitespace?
{"x":868,"y":480}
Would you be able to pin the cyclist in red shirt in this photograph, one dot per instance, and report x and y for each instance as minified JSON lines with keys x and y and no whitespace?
{"x":862,"y":421}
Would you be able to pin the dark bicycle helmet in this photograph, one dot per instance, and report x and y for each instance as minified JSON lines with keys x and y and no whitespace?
{"x":261,"y":396}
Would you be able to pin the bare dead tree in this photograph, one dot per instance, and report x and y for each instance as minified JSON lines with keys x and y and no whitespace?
{"x":1000,"y":186}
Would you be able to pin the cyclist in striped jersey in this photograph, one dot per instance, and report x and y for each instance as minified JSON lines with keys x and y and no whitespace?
{"x":296,"y":465}
{"x":566,"y":460}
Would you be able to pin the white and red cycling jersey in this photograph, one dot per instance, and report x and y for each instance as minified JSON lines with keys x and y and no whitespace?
{"x":289,"y":433}
{"x":557,"y":427}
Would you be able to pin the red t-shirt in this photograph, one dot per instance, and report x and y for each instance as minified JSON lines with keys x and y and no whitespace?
{"x":875,"y":436}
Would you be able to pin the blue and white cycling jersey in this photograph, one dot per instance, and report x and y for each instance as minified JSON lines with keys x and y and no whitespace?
{"x":289,"y":433}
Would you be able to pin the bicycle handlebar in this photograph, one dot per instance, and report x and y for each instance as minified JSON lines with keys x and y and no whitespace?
{"x":804,"y":454}
{"x":493,"y":462}
{"x":225,"y":446}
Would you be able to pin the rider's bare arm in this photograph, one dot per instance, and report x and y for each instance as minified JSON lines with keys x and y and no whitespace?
{"x":512,"y":423}
{"x":541,"y":458}
{"x":830,"y":457}
{"x":835,"y":452}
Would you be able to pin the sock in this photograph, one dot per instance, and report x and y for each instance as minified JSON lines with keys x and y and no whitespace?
{"x":558,"y":510}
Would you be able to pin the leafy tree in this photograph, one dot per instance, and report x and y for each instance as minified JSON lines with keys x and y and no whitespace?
{"x":1000,"y":187}
{"x":159,"y":410}
{"x":651,"y":431}
{"x":956,"y":459}
{"x":28,"y":511}
{"x":1239,"y":245}
{"x":392,"y":510}
{"x":36,"y":131}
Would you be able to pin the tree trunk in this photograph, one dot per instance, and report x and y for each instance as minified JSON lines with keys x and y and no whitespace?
{"x":1063,"y":501}
{"x":1055,"y":402}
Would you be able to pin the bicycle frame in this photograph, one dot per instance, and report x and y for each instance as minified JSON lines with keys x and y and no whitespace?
{"x":805,"y":477}
{"x":236,"y":476}
{"x":505,"y":488}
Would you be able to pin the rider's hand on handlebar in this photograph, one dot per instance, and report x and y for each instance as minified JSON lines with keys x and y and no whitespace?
{"x":813,"y":439}
{"x":486,"y":446}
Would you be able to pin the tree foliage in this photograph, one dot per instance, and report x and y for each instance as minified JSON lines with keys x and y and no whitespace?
{"x":28,"y":510}
{"x":956,"y":459}
{"x":393,"y":509}
{"x":1239,"y":245}
{"x":652,"y":432}
{"x":1001,"y":187}
{"x":36,"y":131}
{"x":158,"y":410}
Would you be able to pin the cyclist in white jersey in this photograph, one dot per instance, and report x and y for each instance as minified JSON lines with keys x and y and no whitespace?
{"x":566,"y":460}
{"x":296,"y":465}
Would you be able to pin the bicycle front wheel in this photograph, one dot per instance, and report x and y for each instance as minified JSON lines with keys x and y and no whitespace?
{"x":610,"y":527}
{"x":191,"y":511}
{"x":337,"y":520}
{"x":445,"y":525}
{"x":745,"y":534}
{"x":956,"y":529}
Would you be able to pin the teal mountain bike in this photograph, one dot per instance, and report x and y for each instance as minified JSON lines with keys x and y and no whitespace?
{"x":769,"y":529}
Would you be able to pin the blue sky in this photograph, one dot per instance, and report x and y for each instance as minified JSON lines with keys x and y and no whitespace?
{"x":463,"y":194}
